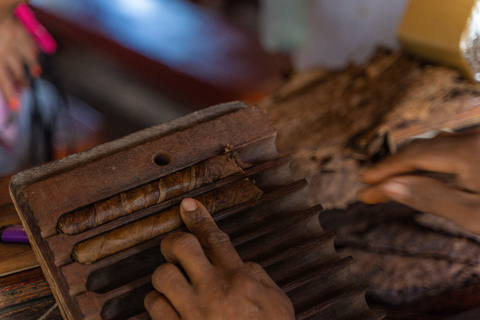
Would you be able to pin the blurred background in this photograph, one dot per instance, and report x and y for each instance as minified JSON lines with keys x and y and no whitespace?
{"x":124,"y":65}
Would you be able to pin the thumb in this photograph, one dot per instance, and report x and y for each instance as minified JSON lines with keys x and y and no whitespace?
{"x":432,"y":196}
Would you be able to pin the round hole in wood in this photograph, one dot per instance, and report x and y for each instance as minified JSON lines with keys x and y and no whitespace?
{"x":162,"y":158}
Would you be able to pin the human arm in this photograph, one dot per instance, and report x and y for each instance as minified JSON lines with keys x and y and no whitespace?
{"x":396,"y":178}
{"x":219,"y":284}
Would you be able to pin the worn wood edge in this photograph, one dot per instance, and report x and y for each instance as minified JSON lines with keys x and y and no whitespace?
{"x":29,"y":176}
{"x":40,"y":254}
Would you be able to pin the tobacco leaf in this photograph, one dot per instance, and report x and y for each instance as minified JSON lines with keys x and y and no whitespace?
{"x":408,"y":238}
{"x":396,"y":280}
{"x":443,"y":225}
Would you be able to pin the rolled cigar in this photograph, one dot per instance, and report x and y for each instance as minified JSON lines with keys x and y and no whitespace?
{"x":155,"y":192}
{"x":125,"y":237}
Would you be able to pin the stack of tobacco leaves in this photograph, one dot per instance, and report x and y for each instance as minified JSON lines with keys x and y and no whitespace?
{"x":336,"y":122}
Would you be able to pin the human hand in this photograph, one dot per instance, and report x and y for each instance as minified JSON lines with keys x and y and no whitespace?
{"x":457,"y":154}
{"x":219,"y":284}
{"x":17,"y":50}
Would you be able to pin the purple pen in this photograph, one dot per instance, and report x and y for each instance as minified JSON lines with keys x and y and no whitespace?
{"x":13,"y":234}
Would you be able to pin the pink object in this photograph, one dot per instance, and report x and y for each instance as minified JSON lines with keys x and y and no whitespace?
{"x":13,"y":234}
{"x":38,"y":32}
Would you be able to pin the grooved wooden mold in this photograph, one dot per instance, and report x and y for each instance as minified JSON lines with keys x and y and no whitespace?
{"x":278,"y":230}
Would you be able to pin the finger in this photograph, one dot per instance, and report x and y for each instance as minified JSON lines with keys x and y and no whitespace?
{"x":432,"y":196}
{"x":472,"y":130}
{"x":169,"y":281}
{"x":372,"y":195}
{"x":26,"y":46}
{"x":8,"y":89}
{"x":260,"y":274}
{"x":215,"y":242}
{"x":422,"y":154}
{"x":184,"y":248}
{"x":159,"y":307}
{"x":16,"y":68}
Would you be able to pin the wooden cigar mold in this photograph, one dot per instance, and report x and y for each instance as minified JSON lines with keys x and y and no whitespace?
{"x":272,"y":226}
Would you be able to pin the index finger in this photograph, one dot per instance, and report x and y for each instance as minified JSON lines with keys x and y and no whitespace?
{"x":435,"y":155}
{"x":8,"y":89}
{"x":26,"y":46}
{"x":215,"y":242}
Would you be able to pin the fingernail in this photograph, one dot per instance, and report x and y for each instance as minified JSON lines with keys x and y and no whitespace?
{"x":14,"y":103}
{"x":189,"y":204}
{"x":396,"y":190}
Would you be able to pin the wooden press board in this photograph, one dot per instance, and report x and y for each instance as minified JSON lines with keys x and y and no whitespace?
{"x":279,"y":230}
